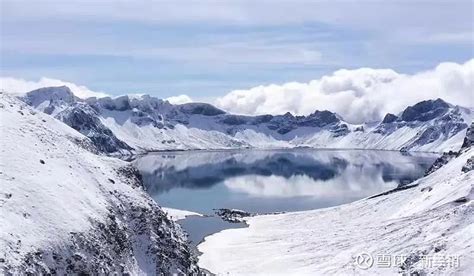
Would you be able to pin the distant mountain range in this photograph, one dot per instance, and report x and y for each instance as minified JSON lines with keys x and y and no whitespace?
{"x":133,"y":124}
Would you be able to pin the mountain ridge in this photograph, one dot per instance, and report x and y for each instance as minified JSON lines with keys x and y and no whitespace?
{"x":143,"y":123}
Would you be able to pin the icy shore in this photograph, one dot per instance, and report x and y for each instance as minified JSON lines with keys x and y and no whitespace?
{"x":425,"y":229}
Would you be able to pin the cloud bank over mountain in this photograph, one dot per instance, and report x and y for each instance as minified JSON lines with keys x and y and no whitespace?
{"x":21,"y":86}
{"x":359,"y":95}
{"x":180,"y":99}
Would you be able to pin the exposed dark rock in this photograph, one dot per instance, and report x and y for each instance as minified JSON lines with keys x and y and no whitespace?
{"x":232,"y":215}
{"x":340,"y":130}
{"x":441,"y":161}
{"x":425,"y":110}
{"x":319,"y":119}
{"x":122,"y":103}
{"x":408,"y":266}
{"x":443,"y":127}
{"x":359,"y":129}
{"x":84,"y":119}
{"x":447,"y":156}
{"x":41,"y":161}
{"x":200,"y":108}
{"x":285,"y":129}
{"x":57,"y":96}
{"x":469,"y":139}
{"x":461,"y":200}
{"x":389,"y":118}
{"x":469,"y":166}
{"x":283,"y":124}
{"x":288,"y":115}
{"x":262,"y":119}
{"x":235,"y":120}
{"x":427,"y":189}
{"x":397,"y":189}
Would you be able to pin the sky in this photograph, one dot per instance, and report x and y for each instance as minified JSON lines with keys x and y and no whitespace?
{"x":208,"y":50}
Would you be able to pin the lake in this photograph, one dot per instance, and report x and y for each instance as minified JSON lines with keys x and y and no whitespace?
{"x":267,"y":181}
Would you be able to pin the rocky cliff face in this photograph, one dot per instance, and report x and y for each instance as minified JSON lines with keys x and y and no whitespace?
{"x":469,"y":139}
{"x":448,"y":156}
{"x":467,"y":144}
{"x":66,"y":210}
{"x":85,"y":119}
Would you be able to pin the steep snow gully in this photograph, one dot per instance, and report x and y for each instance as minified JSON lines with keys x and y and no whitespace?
{"x":68,"y":207}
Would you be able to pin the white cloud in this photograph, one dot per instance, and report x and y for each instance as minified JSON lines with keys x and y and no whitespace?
{"x":180,"y":99}
{"x":359,"y":95}
{"x":20,"y":86}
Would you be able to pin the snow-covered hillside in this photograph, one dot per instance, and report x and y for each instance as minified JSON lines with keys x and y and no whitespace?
{"x":427,"y":228}
{"x":144,"y":123}
{"x":66,"y":210}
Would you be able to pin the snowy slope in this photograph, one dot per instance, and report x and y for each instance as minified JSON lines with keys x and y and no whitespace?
{"x":176,"y":214}
{"x":427,"y":227}
{"x":65,"y":209}
{"x":144,"y":123}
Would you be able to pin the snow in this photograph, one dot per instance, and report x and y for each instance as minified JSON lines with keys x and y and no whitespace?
{"x":146,"y":123}
{"x":54,"y":189}
{"x":53,"y":184}
{"x":424,"y":220}
{"x":69,"y":178}
{"x":176,"y":214}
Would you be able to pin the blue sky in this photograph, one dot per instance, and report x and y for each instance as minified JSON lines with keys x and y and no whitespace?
{"x":207,"y":48}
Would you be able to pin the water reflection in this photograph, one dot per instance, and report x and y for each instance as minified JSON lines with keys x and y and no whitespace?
{"x":271,"y":181}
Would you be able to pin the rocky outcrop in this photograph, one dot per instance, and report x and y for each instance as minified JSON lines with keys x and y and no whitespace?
{"x":425,"y":111}
{"x":232,"y":215}
{"x":52,"y":96}
{"x":469,"y":139}
{"x":447,"y":156}
{"x":467,"y":144}
{"x":389,"y":118}
{"x":201,"y":109}
{"x":469,"y":166}
{"x":84,"y":119}
{"x":441,"y":161}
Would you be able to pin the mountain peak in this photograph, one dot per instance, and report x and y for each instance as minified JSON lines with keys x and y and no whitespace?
{"x":50,"y":94}
{"x":201,"y":109}
{"x":425,"y":110}
{"x":52,"y":90}
{"x":389,"y":118}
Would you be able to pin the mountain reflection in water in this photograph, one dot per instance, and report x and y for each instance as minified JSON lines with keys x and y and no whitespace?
{"x":274,"y":180}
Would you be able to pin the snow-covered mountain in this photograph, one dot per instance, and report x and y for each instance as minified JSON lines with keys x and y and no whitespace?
{"x":144,"y":123}
{"x":66,"y":210}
